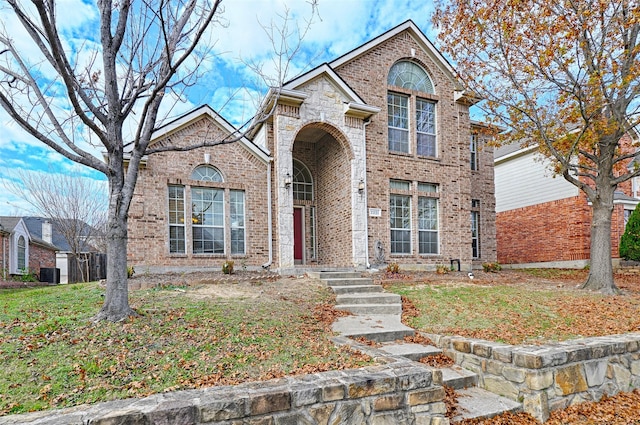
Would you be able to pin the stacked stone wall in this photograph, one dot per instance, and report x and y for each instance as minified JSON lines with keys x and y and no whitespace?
{"x":550,"y":377}
{"x":396,"y":393}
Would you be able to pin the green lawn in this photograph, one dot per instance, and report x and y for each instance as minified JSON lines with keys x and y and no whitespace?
{"x":53,"y":356}
{"x":517,"y":314}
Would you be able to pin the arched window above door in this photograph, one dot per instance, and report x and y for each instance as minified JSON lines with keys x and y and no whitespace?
{"x":302,"y":182}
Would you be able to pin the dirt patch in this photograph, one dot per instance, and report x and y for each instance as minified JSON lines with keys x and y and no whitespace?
{"x":244,"y":285}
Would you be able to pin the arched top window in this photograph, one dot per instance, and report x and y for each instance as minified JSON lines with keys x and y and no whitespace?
{"x":207,"y":173}
{"x":22,"y":253}
{"x":410,"y":76}
{"x":302,"y":183}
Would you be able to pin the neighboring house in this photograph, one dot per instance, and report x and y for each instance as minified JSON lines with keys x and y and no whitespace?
{"x":20,"y":251}
{"x":542,"y":220}
{"x":66,"y":263}
{"x":369,"y":159}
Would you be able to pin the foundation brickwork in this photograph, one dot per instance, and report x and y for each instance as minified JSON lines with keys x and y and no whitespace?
{"x":553,"y":376}
{"x":396,"y":393}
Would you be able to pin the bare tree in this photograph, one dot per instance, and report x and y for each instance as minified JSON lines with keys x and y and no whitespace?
{"x":72,"y":99}
{"x":75,"y":206}
{"x":564,"y":75}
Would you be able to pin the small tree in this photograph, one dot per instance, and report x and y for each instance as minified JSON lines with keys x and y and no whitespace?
{"x":630,"y":240}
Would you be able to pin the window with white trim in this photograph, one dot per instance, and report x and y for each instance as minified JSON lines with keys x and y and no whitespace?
{"x":427,"y":219}
{"x":211,"y":227}
{"x":473,"y":148}
{"x":176,"y":220}
{"x":207,"y":218}
{"x":302,"y":182}
{"x":400,"y":215}
{"x":475,"y":228}
{"x":22,"y":254}
{"x":236,"y":204}
{"x":402,"y":133}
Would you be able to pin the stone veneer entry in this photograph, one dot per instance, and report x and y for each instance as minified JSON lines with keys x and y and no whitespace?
{"x":553,"y":376}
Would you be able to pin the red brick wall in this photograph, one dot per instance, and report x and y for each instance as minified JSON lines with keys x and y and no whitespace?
{"x":40,"y":257}
{"x":556,"y":231}
{"x":4,"y":253}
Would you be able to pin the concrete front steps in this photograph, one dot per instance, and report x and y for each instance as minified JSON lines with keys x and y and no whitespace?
{"x":473,"y":402}
{"x":376,"y":316}
{"x":375,"y":313}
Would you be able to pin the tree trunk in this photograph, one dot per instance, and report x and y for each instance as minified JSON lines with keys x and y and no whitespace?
{"x":601,"y":267}
{"x":116,"y":300}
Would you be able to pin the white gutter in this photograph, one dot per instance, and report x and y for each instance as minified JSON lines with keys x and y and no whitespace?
{"x":269,"y":216}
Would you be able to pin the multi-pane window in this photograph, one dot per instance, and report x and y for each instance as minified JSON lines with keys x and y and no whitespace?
{"x":427,"y":219}
{"x":22,"y":254}
{"x":473,"y":147}
{"x":207,"y":220}
{"x":400,"y":214}
{"x":403,"y":235}
{"x":302,"y":183}
{"x":426,"y":127}
{"x":398,"y":120}
{"x":176,"y":220}
{"x":207,"y":173}
{"x":400,"y":107}
{"x":475,"y":228}
{"x":200,"y":212}
{"x":236,"y":203}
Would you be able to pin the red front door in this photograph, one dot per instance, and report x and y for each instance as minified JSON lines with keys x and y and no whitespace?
{"x":298,"y":236}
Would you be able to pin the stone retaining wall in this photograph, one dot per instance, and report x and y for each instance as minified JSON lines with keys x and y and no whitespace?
{"x":553,"y":376}
{"x":400,"y":392}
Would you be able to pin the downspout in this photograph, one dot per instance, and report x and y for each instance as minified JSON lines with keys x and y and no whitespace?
{"x":366,"y":193}
{"x":269,"y":216}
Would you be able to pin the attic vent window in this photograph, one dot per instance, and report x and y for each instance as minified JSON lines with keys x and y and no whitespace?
{"x":409,"y":75}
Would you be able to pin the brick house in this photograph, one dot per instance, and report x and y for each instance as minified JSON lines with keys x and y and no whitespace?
{"x":21,"y":252}
{"x":542,"y":220}
{"x":331,"y":180}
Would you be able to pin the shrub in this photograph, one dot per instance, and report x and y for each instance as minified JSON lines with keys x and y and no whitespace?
{"x":630,"y":240}
{"x":227,"y":267}
{"x":393,"y":268}
{"x":440,"y":269}
{"x":491,"y":267}
{"x":130,"y":271}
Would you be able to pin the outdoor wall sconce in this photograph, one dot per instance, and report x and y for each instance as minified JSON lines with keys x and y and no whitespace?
{"x":287,"y":181}
{"x":361,"y":187}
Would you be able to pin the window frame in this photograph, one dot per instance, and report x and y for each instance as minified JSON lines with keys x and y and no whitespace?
{"x":473,"y":148}
{"x":432,"y":137}
{"x":393,"y":143}
{"x":180,"y":221}
{"x":475,"y":219}
{"x":403,"y":230}
{"x":239,"y":227}
{"x":216,"y":228}
{"x":22,"y":254}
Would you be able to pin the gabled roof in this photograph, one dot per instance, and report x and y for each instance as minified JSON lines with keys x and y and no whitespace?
{"x":331,"y":76}
{"x":206,"y":110}
{"x":8,"y":223}
{"x":420,"y":38}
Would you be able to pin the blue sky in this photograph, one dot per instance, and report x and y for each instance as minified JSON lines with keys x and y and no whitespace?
{"x":228,"y":86}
